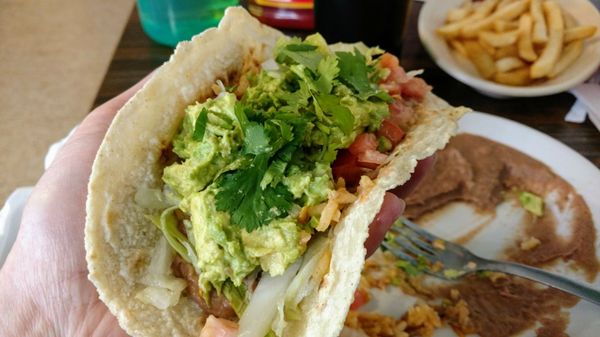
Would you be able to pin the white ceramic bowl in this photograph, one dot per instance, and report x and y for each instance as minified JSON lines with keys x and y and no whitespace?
{"x":433,"y":15}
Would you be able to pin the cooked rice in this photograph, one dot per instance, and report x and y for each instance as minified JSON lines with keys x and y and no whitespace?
{"x":380,"y":271}
{"x":376,"y":325}
{"x":458,"y":316}
{"x":424,"y":319}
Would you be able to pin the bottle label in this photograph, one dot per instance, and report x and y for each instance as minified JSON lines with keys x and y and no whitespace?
{"x":292,"y":4}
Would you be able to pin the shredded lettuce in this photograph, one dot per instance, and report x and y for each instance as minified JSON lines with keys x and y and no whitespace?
{"x":262,"y":308}
{"x":315,"y":264}
{"x":153,"y":198}
{"x":163,"y":289}
{"x":237,"y":297}
{"x":161,"y":298}
{"x":167,"y":223}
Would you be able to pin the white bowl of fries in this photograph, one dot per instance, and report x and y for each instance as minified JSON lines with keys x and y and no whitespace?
{"x":513,"y":48}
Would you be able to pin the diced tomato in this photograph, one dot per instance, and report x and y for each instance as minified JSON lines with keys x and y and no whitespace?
{"x":344,"y":158}
{"x":346,"y":166}
{"x":400,"y":113}
{"x":397,"y":76}
{"x":371,"y":159}
{"x":218,"y":327}
{"x":389,"y":61}
{"x":362,"y":143}
{"x":398,"y":83}
{"x":392,"y":88}
{"x":391,"y":131}
{"x":360,"y":299}
{"x":416,"y":88}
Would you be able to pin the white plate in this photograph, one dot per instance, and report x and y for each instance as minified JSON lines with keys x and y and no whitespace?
{"x":433,"y":15}
{"x":578,"y":171}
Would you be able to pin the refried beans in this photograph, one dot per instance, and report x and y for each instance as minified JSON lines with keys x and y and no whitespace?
{"x":484,"y":173}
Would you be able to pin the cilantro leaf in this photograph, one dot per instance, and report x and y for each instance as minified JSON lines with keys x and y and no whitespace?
{"x":328,"y":70}
{"x":254,"y":195}
{"x":274,"y":173}
{"x":240,"y":114}
{"x":354,"y":72}
{"x":200,"y":125}
{"x":256,"y":141}
{"x":238,"y":193}
{"x":303,"y":54}
{"x":297,"y":99}
{"x":280,"y":133}
{"x":250,"y":205}
{"x":277,"y":202}
{"x":280,"y":161}
{"x":342,"y":116}
{"x":300,"y":47}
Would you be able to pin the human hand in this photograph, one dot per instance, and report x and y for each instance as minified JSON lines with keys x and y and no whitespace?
{"x":43,"y":284}
{"x":44,"y":289}
{"x":393,"y":205}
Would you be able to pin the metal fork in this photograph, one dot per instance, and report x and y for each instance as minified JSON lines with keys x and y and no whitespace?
{"x":450,"y":261}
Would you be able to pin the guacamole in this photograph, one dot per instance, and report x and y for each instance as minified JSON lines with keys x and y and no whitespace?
{"x":249,"y":164}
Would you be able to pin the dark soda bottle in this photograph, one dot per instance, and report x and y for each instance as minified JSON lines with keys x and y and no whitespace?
{"x":374,"y":22}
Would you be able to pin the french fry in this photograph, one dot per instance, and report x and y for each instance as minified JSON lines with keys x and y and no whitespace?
{"x":570,"y":53}
{"x":453,"y":29}
{"x":514,"y":42}
{"x":524,"y":45}
{"x":578,"y":33}
{"x":507,"y":64}
{"x":517,"y":77}
{"x":509,"y":12}
{"x":458,"y":14}
{"x":458,"y":46}
{"x":503,"y":25}
{"x":499,"y":39}
{"x":504,"y":3}
{"x":485,"y":8}
{"x":539,"y":48}
{"x":488,"y":48}
{"x":481,"y":59}
{"x":507,"y":51}
{"x":544,"y":64}
{"x":569,"y":20}
{"x":540,"y":34}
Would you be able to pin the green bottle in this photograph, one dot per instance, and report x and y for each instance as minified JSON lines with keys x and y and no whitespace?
{"x":170,"y":21}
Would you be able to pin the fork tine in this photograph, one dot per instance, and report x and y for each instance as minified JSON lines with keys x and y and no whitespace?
{"x":416,"y":235}
{"x":399,"y":253}
{"x":408,"y":245}
{"x":418,"y":229}
{"x":416,"y":240}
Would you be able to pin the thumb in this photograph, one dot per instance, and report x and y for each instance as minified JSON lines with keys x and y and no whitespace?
{"x":391,"y":209}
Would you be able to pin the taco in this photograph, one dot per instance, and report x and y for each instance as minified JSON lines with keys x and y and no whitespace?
{"x":235,"y":189}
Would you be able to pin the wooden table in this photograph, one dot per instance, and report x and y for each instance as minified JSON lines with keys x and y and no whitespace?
{"x":137,"y":55}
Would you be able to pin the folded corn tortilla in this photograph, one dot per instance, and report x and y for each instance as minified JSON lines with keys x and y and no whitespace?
{"x":119,"y":239}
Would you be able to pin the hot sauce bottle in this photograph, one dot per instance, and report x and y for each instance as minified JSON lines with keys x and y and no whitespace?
{"x":285,"y":14}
